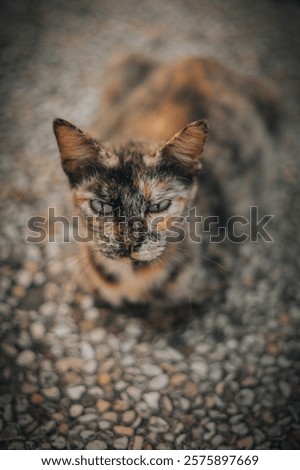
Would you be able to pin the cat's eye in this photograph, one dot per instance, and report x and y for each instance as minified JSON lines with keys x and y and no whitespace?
{"x":160,"y":206}
{"x":101,"y":207}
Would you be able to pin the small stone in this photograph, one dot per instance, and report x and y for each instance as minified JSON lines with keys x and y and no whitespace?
{"x":72,"y":378}
{"x":75,"y":393}
{"x":45,"y":428}
{"x":133,"y":330}
{"x":200,"y":369}
{"x":51,"y":290}
{"x":91,"y":366}
{"x":137,"y":422}
{"x":87,"y":351}
{"x":245,"y":397}
{"x":58,"y":442}
{"x":275,"y":431}
{"x":210,"y":401}
{"x":284,"y":362}
{"x":259,"y":436}
{"x":123,"y":430}
{"x":217,"y":441}
{"x":45,"y":446}
{"x":240,"y":429}
{"x":92,"y":314}
{"x":7,"y":412}
{"x":151,"y":370}
{"x":236,"y":419}
{"x":25,"y":420}
{"x":39,"y":278}
{"x":75,"y":411}
{"x":15,"y":446}
{"x":58,"y":417}
{"x":134,"y":392}
{"x":95,"y":392}
{"x":232,"y":408}
{"x":120,"y":386}
{"x":25,"y":358}
{"x":179,"y":440}
{"x":96,"y":445}
{"x":249,"y":382}
{"x":37,"y":331}
{"x":63,"y":428}
{"x":142,"y":409}
{"x":185,"y":404}
{"x":102,"y":405}
{"x":24,"y":278}
{"x":24,"y":340}
{"x":178,"y":379}
{"x":159,"y":382}
{"x":104,"y":425}
{"x":87,"y":434}
{"x":219,"y":388}
{"x":128,"y":417}
{"x":52,"y":393}
{"x":138,"y":442}
{"x":120,"y":405}
{"x":37,"y":399}
{"x":86,"y":302}
{"x":267,"y":360}
{"x":62,"y":331}
{"x":245,"y":443}
{"x":110,"y":416}
{"x":284,"y":388}
{"x":210,"y":431}
{"x":166,"y":404}
{"x":158,"y":425}
{"x":267,"y":417}
{"x":190,"y":390}
{"x":121,"y":443}
{"x":63,"y":364}
{"x":152,"y":400}
{"x":104,"y":379}
{"x":18,"y":291}
{"x":9,"y":349}
{"x":215,"y":374}
{"x":21,"y":404}
{"x":97,"y":335}
{"x":127,"y":360}
{"x":48,"y":309}
{"x":88,"y":418}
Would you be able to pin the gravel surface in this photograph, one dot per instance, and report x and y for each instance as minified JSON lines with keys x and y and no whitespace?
{"x":76,"y":376}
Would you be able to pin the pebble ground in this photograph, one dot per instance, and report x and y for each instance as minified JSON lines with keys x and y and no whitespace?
{"x":76,"y":376}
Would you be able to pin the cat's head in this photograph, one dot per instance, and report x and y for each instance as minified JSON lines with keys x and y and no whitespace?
{"x":130,"y":194}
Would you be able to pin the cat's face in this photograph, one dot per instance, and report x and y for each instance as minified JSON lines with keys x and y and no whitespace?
{"x":129,"y":196}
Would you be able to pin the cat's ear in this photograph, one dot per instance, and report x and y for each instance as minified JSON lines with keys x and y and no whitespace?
{"x":186,"y":147}
{"x":76,"y":148}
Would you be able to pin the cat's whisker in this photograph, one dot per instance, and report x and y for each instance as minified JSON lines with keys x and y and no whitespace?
{"x":185,"y":249}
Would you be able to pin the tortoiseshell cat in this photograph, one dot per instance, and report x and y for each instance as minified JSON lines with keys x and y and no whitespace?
{"x":145,"y":167}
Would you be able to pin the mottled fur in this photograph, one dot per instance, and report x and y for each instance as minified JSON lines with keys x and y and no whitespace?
{"x":148,"y":160}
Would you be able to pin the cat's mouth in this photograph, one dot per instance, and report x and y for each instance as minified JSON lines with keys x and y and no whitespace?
{"x":145,"y":253}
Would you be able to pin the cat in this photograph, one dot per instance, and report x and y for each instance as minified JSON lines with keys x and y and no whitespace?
{"x":137,"y":188}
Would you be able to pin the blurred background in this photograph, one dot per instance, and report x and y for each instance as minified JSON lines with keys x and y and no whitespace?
{"x":74,"y":376}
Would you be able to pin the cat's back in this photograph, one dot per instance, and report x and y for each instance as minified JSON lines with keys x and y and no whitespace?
{"x":146,"y":100}
{"x":143,"y":99}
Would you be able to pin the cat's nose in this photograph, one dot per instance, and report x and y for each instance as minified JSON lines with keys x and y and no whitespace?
{"x":137,"y":231}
